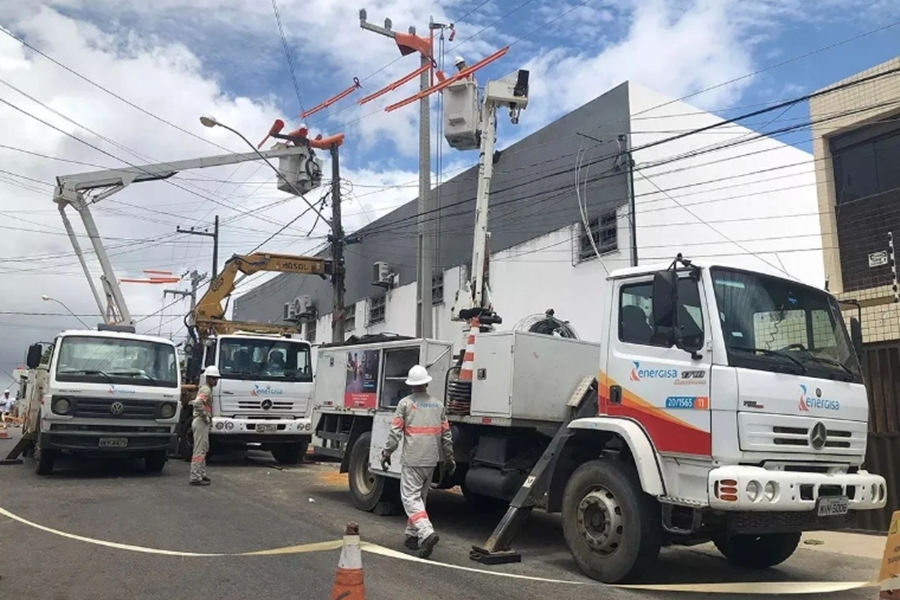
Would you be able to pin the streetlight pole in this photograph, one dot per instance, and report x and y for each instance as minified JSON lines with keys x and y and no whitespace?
{"x":47,"y":298}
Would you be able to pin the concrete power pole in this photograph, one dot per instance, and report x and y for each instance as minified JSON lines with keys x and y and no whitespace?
{"x":196,"y":280}
{"x":214,"y":235}
{"x":337,"y":250}
{"x":409,"y":44}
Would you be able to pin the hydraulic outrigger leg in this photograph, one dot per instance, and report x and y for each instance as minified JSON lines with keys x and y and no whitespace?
{"x":497,"y":549}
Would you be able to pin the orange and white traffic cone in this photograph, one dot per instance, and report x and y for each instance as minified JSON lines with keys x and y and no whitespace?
{"x":468,"y":366}
{"x":348,"y":581}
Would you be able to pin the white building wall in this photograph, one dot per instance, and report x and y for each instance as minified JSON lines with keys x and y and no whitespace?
{"x":760,"y":193}
{"x":747,"y":193}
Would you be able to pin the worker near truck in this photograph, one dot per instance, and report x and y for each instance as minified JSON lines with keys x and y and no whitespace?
{"x":202,"y":405}
{"x":6,"y":407}
{"x":422,"y":421}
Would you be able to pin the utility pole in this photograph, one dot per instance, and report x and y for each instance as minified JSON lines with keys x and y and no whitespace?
{"x":408,"y":44}
{"x":196,"y":280}
{"x":214,"y":235}
{"x":337,"y":249}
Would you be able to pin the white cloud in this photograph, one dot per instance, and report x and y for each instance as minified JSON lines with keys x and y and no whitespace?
{"x":160,"y":55}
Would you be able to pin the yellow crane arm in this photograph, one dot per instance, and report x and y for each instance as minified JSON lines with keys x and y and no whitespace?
{"x":210,"y":308}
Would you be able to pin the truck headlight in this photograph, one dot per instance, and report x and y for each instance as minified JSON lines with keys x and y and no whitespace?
{"x":61,"y":406}
{"x":771,"y":490}
{"x":229,"y":425}
{"x":167,"y":410}
{"x":753,"y":491}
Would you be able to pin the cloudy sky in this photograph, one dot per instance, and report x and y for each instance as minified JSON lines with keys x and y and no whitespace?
{"x":109,"y":83}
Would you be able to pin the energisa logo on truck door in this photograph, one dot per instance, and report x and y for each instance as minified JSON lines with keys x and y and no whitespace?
{"x":690,"y":377}
{"x":268,"y":390}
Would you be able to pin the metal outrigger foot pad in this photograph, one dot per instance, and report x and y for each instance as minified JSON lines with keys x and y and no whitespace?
{"x":499,"y":557}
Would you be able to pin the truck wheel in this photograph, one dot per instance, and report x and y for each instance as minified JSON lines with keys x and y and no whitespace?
{"x":757,"y":551}
{"x":612,"y":528}
{"x":186,"y":444}
{"x":155,"y":462}
{"x":43,"y":459}
{"x":369,"y":491}
{"x":289,"y":454}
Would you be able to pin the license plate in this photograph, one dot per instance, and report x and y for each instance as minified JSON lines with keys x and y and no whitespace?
{"x":831,"y":507}
{"x":113,"y":442}
{"x":266,"y":428}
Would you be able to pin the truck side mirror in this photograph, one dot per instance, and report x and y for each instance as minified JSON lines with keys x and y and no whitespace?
{"x":665,"y":296}
{"x":856,"y":336}
{"x":33,"y":358}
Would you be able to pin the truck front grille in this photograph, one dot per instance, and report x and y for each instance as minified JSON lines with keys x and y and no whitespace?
{"x":102,"y":408}
{"x":800,"y":437}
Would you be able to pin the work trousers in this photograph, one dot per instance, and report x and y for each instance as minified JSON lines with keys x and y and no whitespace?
{"x":200,"y":429}
{"x":414,"y":485}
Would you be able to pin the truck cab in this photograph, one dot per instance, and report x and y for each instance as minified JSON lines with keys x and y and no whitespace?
{"x":109,"y":393}
{"x":264,"y":393}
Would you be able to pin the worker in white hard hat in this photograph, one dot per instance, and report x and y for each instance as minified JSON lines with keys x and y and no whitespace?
{"x":460,"y":63}
{"x":202,"y":406}
{"x":6,"y":407}
{"x":422,"y":421}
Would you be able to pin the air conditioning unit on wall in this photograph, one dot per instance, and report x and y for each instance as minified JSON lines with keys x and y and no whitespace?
{"x":299,"y":309}
{"x":382,"y":276}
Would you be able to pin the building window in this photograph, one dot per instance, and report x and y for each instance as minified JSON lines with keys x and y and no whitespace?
{"x":349,"y":318}
{"x":377,"y":305}
{"x":636,"y":325}
{"x":604,"y":230}
{"x":864,"y":161}
{"x":437,"y":288}
{"x":311,"y":331}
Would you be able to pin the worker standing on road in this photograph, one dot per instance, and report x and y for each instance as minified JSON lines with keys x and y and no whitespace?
{"x":6,"y":407}
{"x":422,"y":421}
{"x":202,"y":406}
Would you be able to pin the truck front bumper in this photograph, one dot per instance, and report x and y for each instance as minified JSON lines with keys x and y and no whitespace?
{"x":111,"y":442}
{"x":754,"y":489}
{"x":272,"y":431}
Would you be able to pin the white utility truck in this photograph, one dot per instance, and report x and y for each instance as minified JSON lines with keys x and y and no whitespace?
{"x":108,"y":393}
{"x":720,"y":404}
{"x":263,"y":396}
{"x":727,"y":407}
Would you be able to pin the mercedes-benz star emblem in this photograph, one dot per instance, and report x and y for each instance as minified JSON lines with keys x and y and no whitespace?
{"x":117,"y":408}
{"x":266,"y":404}
{"x":818,"y":435}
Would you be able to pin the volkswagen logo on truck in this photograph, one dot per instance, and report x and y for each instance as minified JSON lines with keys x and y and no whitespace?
{"x":117,"y":408}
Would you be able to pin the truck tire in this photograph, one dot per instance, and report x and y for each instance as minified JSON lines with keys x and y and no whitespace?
{"x":43,"y":459}
{"x":370,"y":492}
{"x":612,"y":528}
{"x":155,"y":462}
{"x":289,"y":454}
{"x":757,"y":551}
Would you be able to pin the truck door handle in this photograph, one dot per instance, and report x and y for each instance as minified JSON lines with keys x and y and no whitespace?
{"x":615,"y":394}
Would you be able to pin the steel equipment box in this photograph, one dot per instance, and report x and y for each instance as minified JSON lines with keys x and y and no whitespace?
{"x":529,"y":376}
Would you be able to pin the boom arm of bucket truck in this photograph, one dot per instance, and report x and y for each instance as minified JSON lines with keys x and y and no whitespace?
{"x":300,"y":170}
{"x":473,"y":299}
{"x":209,"y":315}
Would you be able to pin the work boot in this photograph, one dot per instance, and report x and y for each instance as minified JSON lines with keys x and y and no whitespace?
{"x":207,"y":479}
{"x":412,"y":542}
{"x":428,"y":545}
{"x":200,"y":482}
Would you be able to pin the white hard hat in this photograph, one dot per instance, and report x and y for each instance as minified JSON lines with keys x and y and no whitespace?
{"x":418,"y":375}
{"x":212,"y":371}
{"x":458,"y":59}
{"x":5,"y":391}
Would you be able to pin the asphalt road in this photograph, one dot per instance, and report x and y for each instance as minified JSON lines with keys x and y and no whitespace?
{"x":252,"y":506}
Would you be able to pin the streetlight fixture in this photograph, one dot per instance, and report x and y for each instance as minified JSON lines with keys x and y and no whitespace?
{"x":47,"y":298}
{"x":211,"y":122}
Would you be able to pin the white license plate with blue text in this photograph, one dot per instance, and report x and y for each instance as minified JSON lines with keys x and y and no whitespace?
{"x":833,"y":506}
{"x":113,"y":442}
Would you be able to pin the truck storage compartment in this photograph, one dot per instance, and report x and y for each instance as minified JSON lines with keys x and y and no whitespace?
{"x":528,"y":376}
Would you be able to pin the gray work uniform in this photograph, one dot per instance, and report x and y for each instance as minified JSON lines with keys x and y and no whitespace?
{"x":202,"y":406}
{"x":422,"y":422}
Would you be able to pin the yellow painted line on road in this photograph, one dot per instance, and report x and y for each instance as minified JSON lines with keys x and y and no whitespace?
{"x":783,"y":587}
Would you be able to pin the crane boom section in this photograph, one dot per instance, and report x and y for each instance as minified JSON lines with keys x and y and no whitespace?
{"x":210,"y":308}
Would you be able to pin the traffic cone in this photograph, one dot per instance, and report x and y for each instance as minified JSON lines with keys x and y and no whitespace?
{"x":348,"y":581}
{"x":466,"y":370}
{"x":4,"y":433}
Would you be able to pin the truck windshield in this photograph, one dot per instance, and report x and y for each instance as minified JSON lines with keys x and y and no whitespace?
{"x":775,"y":324}
{"x":93,"y":359}
{"x":265,"y":360}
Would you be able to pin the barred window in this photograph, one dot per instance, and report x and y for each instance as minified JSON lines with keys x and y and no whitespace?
{"x":377,"y":305}
{"x":437,"y":288}
{"x":349,"y":318}
{"x":311,"y":331}
{"x":604,"y":230}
